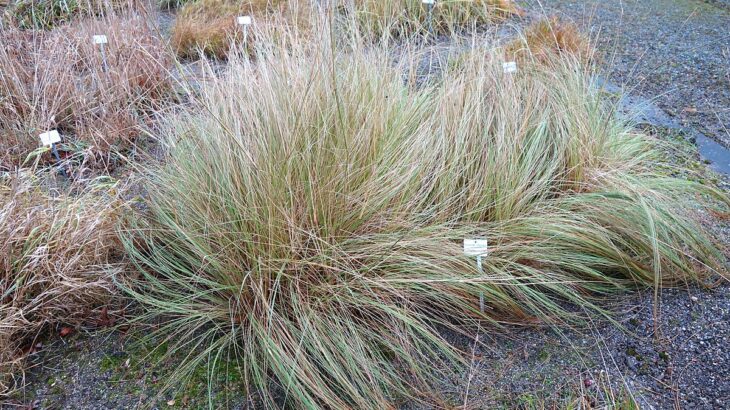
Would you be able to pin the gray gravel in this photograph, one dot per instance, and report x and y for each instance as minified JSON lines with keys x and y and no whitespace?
{"x":677,"y":51}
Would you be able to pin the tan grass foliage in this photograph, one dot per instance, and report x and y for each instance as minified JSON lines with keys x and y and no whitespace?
{"x":210,"y":25}
{"x":57,"y":80}
{"x":545,"y":38}
{"x":309,"y":218}
{"x":57,"y":257}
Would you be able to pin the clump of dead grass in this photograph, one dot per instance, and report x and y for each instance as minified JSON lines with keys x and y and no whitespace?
{"x":209,"y":26}
{"x":58,"y":253}
{"x":57,"y":80}
{"x":547,"y":37}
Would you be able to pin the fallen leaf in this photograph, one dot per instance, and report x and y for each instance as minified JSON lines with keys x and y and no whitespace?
{"x":65,"y":331}
{"x":171,"y":402}
{"x":690,"y":110}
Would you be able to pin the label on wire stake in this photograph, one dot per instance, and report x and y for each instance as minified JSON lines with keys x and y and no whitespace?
{"x":475,"y":247}
{"x":100,"y":39}
{"x":49,"y":138}
{"x":509,"y":67}
{"x":244,"y":20}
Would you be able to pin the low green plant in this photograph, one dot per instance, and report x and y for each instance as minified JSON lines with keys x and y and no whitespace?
{"x":309,"y":218}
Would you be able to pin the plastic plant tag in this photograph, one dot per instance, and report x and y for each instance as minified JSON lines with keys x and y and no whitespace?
{"x":100,"y":39}
{"x":428,"y":1}
{"x":475,"y":247}
{"x":244,"y":20}
{"x":509,"y":67}
{"x":49,"y":138}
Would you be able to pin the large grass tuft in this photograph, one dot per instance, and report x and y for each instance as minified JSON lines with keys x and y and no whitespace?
{"x":308,"y":220}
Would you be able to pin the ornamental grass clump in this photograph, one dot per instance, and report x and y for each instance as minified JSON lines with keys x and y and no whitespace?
{"x":58,"y":253}
{"x":549,"y":36}
{"x":308,"y":221}
{"x":57,"y":80}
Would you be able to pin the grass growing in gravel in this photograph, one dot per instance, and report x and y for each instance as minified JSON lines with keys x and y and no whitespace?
{"x":308,"y":221}
{"x":57,"y":80}
{"x":58,"y":253}
{"x":209,"y":26}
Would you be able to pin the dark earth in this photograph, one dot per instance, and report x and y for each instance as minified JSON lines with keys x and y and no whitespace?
{"x":665,"y":351}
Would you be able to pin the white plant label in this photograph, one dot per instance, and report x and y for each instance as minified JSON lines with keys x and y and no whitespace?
{"x":244,"y":20}
{"x":428,"y":1}
{"x":100,"y":39}
{"x":475,"y":247}
{"x":49,"y":138}
{"x":509,"y":67}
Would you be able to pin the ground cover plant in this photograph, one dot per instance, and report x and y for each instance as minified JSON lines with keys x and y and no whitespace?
{"x":58,"y":80}
{"x":307,"y":222}
{"x":58,"y":253}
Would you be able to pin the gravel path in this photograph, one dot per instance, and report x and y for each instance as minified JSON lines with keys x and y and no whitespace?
{"x":677,"y":51}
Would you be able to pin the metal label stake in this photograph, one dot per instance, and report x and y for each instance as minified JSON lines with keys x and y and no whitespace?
{"x":509,"y":67}
{"x":100,"y":39}
{"x":244,"y":21}
{"x":429,"y":5}
{"x":478,"y":248}
{"x":50,"y":139}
